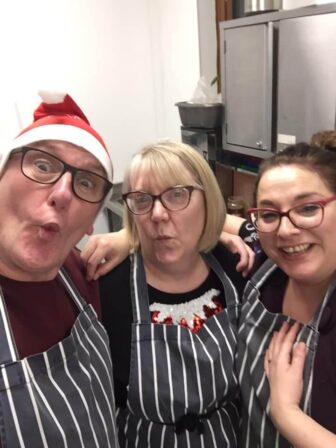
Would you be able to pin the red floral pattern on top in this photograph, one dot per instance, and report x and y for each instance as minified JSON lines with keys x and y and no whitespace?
{"x":190,"y":314}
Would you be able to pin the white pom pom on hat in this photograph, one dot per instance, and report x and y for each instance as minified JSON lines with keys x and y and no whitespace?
{"x":51,"y":96}
{"x":58,"y":117}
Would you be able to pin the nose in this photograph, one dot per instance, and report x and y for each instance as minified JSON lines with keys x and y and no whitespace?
{"x":286,"y":227}
{"x":61,"y":192}
{"x":159,"y":212}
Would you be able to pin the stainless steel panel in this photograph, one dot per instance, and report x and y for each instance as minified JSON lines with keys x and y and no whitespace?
{"x":247,"y":87}
{"x":252,"y":6}
{"x":307,"y":77}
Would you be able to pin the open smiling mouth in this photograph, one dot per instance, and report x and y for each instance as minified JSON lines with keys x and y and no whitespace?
{"x":296,"y":250}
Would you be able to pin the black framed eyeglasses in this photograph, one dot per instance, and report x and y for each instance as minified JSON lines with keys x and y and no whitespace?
{"x":45,"y":168}
{"x":173,"y":199}
{"x":306,"y":215}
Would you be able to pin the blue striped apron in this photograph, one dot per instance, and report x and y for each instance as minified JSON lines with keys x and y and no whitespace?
{"x":180,"y":379}
{"x":255,"y":332}
{"x":62,"y":397}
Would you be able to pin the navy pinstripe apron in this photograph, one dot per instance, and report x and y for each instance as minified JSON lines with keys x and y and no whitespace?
{"x":180,"y":379}
{"x":62,"y":397}
{"x":255,"y":332}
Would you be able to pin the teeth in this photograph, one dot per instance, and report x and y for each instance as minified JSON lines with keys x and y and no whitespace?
{"x":296,"y":249}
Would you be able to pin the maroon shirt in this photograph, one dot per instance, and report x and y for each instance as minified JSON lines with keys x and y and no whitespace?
{"x":323,"y":408}
{"x":42,"y":313}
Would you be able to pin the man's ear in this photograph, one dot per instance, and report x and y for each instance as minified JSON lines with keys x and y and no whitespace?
{"x":90,"y":230}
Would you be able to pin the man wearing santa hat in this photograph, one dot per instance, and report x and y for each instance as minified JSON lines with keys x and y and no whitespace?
{"x":55,"y":369}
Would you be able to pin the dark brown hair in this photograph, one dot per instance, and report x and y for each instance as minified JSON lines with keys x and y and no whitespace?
{"x":324,"y":140}
{"x":320,"y":161}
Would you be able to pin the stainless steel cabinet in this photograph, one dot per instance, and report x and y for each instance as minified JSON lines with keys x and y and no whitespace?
{"x":306,"y":77}
{"x":278,"y":78}
{"x":248,"y":86}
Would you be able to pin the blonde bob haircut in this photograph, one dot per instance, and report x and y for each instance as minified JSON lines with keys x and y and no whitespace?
{"x":163,"y":163}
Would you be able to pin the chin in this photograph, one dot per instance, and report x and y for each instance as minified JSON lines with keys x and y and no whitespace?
{"x":168,"y":256}
{"x":166,"y":259}
{"x":41,"y":263}
{"x":301,"y":273}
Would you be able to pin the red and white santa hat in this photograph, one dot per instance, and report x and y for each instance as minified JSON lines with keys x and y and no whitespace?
{"x":58,"y":117}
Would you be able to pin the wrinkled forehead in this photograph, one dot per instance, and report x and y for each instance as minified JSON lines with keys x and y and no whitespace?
{"x":158,"y":172}
{"x":290,"y":173}
{"x":71,"y":153}
{"x":292,"y":180}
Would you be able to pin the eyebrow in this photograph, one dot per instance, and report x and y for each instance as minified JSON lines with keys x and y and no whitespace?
{"x":52,"y":148}
{"x":298,"y":198}
{"x":93,"y":167}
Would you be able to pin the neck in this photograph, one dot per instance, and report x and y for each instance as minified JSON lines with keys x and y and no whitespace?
{"x":302,"y":300}
{"x":177,"y":277}
{"x":24,"y":276}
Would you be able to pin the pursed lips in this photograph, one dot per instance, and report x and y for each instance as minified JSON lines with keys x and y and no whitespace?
{"x":161,"y":236}
{"x":51,"y":227}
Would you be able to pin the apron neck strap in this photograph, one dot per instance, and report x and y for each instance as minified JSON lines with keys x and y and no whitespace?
{"x":315,"y":322}
{"x":139,"y":289}
{"x":8,"y":349}
{"x":231,"y":295}
{"x":266,"y":269}
{"x":72,"y":290}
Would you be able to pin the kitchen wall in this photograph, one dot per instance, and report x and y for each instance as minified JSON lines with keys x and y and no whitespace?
{"x":125,"y":62}
{"x":207,"y":39}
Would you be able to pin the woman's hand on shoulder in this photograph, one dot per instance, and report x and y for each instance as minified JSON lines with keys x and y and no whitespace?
{"x":237,"y":246}
{"x":103,"y":252}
